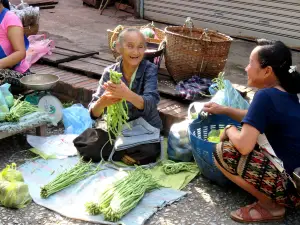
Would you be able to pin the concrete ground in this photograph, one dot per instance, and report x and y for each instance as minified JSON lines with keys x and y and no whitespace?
{"x":206,"y":203}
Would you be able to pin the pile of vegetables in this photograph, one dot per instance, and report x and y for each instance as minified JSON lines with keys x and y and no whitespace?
{"x":215,"y":135}
{"x":123,"y":195}
{"x":117,"y":114}
{"x":20,"y":109}
{"x":79,"y":172}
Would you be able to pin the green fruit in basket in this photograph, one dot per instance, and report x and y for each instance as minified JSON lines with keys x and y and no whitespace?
{"x":215,"y":135}
{"x":194,"y":115}
{"x":148,"y":32}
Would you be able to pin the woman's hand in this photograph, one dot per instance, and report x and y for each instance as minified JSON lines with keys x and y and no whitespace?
{"x":213,"y":108}
{"x":104,"y":101}
{"x":107,"y":99}
{"x":120,"y":91}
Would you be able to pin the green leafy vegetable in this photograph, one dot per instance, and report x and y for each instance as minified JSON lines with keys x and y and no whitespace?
{"x":20,"y":109}
{"x":117,"y":114}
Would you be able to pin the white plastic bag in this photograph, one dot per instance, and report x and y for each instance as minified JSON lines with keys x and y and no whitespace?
{"x":56,"y":146}
{"x":179,"y":148}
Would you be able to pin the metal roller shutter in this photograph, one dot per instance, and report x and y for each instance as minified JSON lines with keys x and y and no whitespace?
{"x":272,"y":19}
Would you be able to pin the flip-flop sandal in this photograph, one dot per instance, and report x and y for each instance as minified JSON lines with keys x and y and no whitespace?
{"x":265,"y":215}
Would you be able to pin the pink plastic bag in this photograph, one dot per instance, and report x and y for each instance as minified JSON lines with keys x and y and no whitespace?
{"x":38,"y":47}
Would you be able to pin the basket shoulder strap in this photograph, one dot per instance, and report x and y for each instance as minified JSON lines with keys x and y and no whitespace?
{"x":264,"y":143}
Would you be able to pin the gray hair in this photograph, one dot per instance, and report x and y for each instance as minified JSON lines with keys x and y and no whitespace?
{"x":123,"y":32}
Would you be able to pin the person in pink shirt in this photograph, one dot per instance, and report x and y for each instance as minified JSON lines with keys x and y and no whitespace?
{"x":13,"y":45}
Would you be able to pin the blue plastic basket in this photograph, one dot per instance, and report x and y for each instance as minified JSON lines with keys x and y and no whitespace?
{"x":203,"y":150}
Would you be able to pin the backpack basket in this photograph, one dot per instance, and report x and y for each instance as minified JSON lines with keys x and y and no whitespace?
{"x":194,"y":51}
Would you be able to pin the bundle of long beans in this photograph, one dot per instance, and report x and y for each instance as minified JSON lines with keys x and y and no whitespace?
{"x":79,"y":172}
{"x":171,"y":167}
{"x":122,"y":196}
{"x":117,"y":114}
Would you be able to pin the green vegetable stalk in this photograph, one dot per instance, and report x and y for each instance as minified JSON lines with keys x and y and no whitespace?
{"x":123,"y":196}
{"x":220,"y":84}
{"x":79,"y":172}
{"x":20,"y":109}
{"x":117,"y":114}
{"x":219,"y":81}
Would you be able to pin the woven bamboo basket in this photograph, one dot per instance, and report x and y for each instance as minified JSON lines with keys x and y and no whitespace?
{"x":112,"y":36}
{"x":31,"y":30}
{"x":195,"y":51}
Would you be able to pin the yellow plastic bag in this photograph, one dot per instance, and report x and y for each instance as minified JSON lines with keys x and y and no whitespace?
{"x":14,"y":192}
{"x":10,"y":173}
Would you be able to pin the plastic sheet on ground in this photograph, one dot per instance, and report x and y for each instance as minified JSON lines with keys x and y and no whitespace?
{"x":70,"y":201}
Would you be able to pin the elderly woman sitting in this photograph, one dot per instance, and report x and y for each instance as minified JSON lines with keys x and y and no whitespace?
{"x":12,"y":46}
{"x":139,"y":81}
{"x":275,"y":111}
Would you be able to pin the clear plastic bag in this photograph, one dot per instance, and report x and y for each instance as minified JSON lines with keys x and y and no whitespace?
{"x":9,"y":98}
{"x":76,"y":119}
{"x":229,"y":96}
{"x":179,"y":148}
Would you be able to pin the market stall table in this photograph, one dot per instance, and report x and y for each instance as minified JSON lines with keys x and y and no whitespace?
{"x":41,"y":130}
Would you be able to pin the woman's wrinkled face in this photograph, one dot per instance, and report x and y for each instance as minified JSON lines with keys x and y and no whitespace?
{"x":133,"y":48}
{"x":256,"y":74}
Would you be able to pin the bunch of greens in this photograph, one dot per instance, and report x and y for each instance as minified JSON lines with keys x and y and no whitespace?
{"x":117,"y":114}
